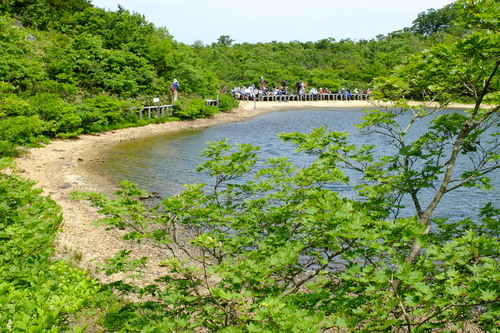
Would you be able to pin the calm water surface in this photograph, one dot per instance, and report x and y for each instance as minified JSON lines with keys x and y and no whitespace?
{"x":164,"y":163}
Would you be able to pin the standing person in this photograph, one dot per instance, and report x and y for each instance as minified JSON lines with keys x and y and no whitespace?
{"x":173,"y":87}
{"x":261,"y":82}
{"x":298,"y":86}
{"x":302,"y":90}
{"x":285,"y":87}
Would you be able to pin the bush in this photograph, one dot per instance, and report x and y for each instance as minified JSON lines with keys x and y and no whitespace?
{"x":66,"y":91}
{"x":36,"y":293}
{"x":227,"y":102}
{"x":13,"y":105}
{"x":193,"y":108}
{"x":21,"y":131}
{"x":104,"y":112}
{"x":28,"y":224}
{"x":64,"y":122}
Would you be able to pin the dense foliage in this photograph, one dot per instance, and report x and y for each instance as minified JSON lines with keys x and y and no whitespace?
{"x":275,"y":249}
{"x":69,"y":68}
{"x":37,"y":294}
{"x":59,"y":55}
{"x":281,"y":252}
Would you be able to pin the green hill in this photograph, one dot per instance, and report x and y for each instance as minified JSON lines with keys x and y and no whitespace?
{"x":69,"y":67}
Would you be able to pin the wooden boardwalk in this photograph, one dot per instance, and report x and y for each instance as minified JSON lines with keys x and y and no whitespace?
{"x":157,"y":111}
{"x":308,"y":97}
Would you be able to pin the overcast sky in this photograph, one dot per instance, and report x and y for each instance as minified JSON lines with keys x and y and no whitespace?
{"x":256,"y":21}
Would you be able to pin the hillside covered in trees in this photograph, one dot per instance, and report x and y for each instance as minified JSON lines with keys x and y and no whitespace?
{"x":282,"y":252}
{"x":68,"y":67}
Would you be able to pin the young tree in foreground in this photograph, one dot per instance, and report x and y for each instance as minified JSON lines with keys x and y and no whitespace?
{"x":275,"y":249}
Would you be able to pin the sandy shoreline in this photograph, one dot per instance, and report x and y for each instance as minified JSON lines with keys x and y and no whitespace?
{"x":63,"y":166}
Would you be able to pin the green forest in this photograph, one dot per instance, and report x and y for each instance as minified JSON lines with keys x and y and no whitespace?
{"x":69,"y":68}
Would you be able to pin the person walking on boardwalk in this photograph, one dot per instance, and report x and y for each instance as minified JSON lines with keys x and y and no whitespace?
{"x":173,"y":87}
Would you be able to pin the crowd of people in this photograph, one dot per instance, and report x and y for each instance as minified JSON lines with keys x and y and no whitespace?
{"x":251,"y":92}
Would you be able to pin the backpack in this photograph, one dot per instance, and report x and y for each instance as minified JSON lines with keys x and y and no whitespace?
{"x":172,"y":87}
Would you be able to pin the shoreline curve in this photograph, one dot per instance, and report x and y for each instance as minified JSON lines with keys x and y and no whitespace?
{"x":67,"y":165}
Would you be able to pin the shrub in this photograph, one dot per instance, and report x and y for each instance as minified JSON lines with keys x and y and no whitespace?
{"x":227,"y":102}
{"x":21,"y":131}
{"x":36,"y":293}
{"x":193,"y":108}
{"x":64,"y":122}
{"x":13,"y":105}
{"x":103,"y":112}
{"x":64,"y":90}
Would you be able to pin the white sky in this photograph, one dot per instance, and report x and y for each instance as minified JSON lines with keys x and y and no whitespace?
{"x":264,"y":21}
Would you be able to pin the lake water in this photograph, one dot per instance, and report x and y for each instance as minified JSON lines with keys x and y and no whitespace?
{"x":164,"y":163}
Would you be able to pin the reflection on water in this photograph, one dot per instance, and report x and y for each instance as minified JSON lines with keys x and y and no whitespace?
{"x":164,"y":163}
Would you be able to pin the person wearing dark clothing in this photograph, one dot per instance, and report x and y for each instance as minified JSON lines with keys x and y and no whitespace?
{"x":298,"y":86}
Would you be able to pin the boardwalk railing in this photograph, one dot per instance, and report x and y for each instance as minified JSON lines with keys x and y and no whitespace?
{"x":156,"y":110}
{"x":214,"y":102}
{"x":305,"y":97}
